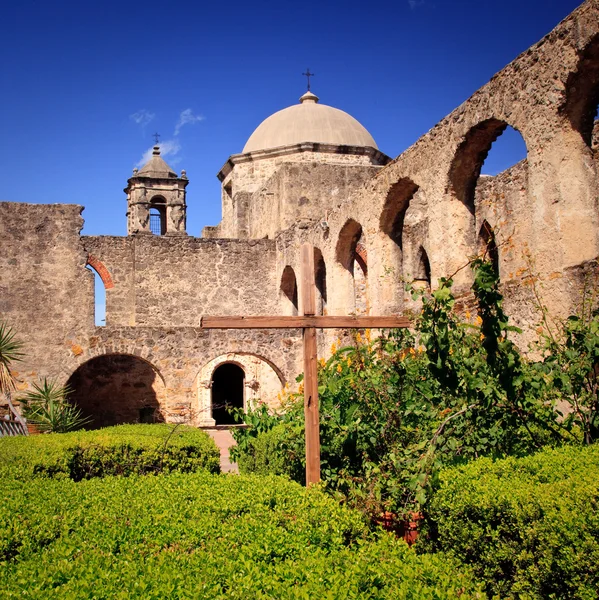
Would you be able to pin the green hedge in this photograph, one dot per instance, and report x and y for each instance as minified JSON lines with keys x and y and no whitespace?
{"x":269,"y":453}
{"x":529,"y":526}
{"x":203,"y":536}
{"x":120,"y":450}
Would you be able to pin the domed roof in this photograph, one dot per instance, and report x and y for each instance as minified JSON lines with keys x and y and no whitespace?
{"x":156,"y":167}
{"x":309,"y":121}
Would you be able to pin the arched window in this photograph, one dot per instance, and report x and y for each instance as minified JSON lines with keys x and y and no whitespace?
{"x":228,"y":392}
{"x":320,"y":280}
{"x":158,"y":215}
{"x":422,"y":273}
{"x":474,"y":151}
{"x":289,"y":291}
{"x":102,"y":282}
{"x":351,"y":253}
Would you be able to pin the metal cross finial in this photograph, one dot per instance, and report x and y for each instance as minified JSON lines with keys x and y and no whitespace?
{"x":156,"y":137}
{"x":308,"y":75}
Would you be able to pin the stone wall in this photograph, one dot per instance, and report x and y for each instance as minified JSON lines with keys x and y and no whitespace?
{"x":46,"y":293}
{"x":173,"y":281}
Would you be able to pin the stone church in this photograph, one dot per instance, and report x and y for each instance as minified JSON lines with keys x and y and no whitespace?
{"x":311,"y":173}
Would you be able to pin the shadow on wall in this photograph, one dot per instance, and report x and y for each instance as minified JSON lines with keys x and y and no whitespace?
{"x":115,"y":389}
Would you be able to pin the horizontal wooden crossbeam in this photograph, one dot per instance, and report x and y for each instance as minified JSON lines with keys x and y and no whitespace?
{"x":325,"y":322}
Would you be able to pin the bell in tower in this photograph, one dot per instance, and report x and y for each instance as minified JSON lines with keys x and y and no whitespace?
{"x":156,"y":199}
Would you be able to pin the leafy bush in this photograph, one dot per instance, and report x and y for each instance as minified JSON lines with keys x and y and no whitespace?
{"x":120,"y":450}
{"x":46,"y":406}
{"x":528,"y":526}
{"x":395,"y":410}
{"x":204,"y":536}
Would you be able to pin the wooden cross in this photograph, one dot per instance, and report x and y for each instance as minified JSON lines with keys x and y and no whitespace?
{"x":309,"y":323}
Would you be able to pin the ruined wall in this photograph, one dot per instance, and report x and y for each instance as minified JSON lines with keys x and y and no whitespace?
{"x":46,"y":293}
{"x":173,"y":281}
{"x":546,"y":207}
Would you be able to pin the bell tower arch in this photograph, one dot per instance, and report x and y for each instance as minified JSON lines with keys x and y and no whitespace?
{"x":156,"y":199}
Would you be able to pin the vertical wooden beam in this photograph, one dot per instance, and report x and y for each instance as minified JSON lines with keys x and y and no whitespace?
{"x":310,"y":367}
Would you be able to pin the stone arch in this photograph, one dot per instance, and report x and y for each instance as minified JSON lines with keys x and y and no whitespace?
{"x":351,"y":254}
{"x":227,"y":392}
{"x":346,"y":243}
{"x":158,"y":215}
{"x":582,"y":91}
{"x":469,"y":157}
{"x":289,"y":291}
{"x":394,"y":210}
{"x":320,"y":281}
{"x":118,"y":388}
{"x":98,"y":266}
{"x":263,"y":383}
{"x":487,"y":246}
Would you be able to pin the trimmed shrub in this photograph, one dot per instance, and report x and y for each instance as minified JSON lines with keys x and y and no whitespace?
{"x":120,"y":450}
{"x":204,"y":536}
{"x":528,"y":526}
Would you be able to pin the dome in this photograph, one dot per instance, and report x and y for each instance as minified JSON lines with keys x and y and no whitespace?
{"x":309,"y":121}
{"x":156,"y":168}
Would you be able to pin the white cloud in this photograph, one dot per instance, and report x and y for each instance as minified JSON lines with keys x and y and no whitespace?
{"x":414,"y":4}
{"x":142,"y":117}
{"x":167,"y":148}
{"x":186,"y":118}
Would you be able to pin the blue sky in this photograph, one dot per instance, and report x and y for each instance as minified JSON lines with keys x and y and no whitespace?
{"x":85,"y":84}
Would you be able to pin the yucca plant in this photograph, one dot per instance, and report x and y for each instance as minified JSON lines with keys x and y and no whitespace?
{"x":10,"y":352}
{"x":47,"y":407}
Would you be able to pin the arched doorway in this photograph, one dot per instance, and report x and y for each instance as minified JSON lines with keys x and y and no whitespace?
{"x":117,"y":388}
{"x":228,"y":383}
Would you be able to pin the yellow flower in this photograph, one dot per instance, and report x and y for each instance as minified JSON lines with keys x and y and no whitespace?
{"x":421,"y":349}
{"x":482,"y":337}
{"x":468,"y":314}
{"x":359,"y":338}
{"x":450,"y":351}
{"x":339,"y":369}
{"x":333,"y":348}
{"x":412,"y":351}
{"x":479,"y":321}
{"x":323,"y":362}
{"x":367,"y":333}
{"x":300,"y":389}
{"x":348,"y":361}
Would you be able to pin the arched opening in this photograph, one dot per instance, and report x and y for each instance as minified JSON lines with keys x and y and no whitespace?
{"x":158,"y":215}
{"x":289,"y":291}
{"x":395,"y":208}
{"x":320,"y":281}
{"x":582,"y":94}
{"x":99,"y":298}
{"x":472,"y":153}
{"x":351,"y":253}
{"x":228,"y":392}
{"x":117,"y":388}
{"x":422,"y":272}
{"x":102,"y":282}
{"x":487,"y":247}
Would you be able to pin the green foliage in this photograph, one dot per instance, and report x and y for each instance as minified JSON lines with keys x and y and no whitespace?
{"x":10,"y":352}
{"x":396,"y":410}
{"x":204,"y":536}
{"x":572,"y":365}
{"x":120,"y":450}
{"x":528,"y":526}
{"x":47,"y":407}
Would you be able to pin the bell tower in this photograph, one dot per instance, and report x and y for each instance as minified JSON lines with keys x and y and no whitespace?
{"x":156,"y":199}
